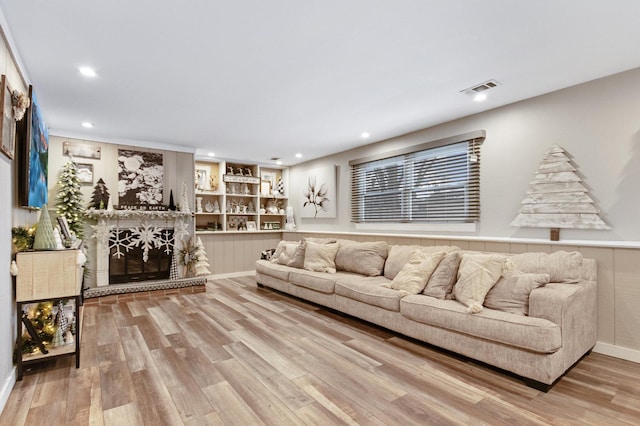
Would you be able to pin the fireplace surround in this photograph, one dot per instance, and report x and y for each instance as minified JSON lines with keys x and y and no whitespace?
{"x":141,"y":247}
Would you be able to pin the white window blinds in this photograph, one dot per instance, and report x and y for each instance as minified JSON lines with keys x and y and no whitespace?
{"x":436,"y":182}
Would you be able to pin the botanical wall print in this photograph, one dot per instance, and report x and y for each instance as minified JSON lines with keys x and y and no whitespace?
{"x":140,"y":179}
{"x":320,"y":194}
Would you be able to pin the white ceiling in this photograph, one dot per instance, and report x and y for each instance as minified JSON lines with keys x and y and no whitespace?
{"x":252,"y":80}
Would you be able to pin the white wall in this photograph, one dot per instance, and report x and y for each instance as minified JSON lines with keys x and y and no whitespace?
{"x":595,"y":122}
{"x":7,"y":197}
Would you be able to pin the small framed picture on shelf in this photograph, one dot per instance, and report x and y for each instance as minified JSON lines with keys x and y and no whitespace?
{"x":251,"y":225}
{"x":265,"y":188}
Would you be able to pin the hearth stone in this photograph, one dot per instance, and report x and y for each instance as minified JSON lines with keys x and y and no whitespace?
{"x":143,"y":286}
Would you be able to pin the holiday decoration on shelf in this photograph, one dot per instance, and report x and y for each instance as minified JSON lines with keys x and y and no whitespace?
{"x":184,"y":199}
{"x":23,"y":237}
{"x":58,"y":239}
{"x":69,"y":204}
{"x":42,"y":319}
{"x":280,"y":187}
{"x":172,"y":205}
{"x":45,"y":239}
{"x":100,"y":196}
{"x":173,"y":270}
{"x":62,"y":324}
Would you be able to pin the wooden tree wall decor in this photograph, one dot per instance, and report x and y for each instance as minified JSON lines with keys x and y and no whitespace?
{"x":556,"y":198}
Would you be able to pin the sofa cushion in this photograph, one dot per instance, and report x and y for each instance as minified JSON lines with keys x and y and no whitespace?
{"x":413,"y":276}
{"x":534,"y":334}
{"x":369,"y":290}
{"x":317,"y":281}
{"x":399,"y":255}
{"x":363,"y":258}
{"x":272,"y":269}
{"x":320,"y":257}
{"x":511,"y":293}
{"x":476,"y":275}
{"x":562,"y":266}
{"x":440,"y":284}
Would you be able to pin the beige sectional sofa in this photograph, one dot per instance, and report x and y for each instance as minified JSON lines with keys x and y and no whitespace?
{"x":533,"y":314}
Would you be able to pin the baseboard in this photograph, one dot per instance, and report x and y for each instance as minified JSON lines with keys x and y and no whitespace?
{"x":7,"y":387}
{"x":232,"y":275}
{"x":617,"y":351}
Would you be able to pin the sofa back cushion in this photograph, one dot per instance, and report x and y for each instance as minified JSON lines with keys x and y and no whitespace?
{"x":511,"y":292}
{"x":362,"y":258}
{"x":399,"y":255}
{"x":562,"y":266}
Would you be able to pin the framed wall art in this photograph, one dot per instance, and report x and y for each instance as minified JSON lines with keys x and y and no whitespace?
{"x":7,"y":122}
{"x":85,"y":173}
{"x":81,"y":150}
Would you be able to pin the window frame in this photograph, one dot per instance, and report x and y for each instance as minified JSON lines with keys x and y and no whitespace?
{"x":465,"y":212}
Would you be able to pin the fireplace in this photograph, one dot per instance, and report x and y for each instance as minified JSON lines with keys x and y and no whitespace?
{"x":129,"y":266}
{"x":133,"y":246}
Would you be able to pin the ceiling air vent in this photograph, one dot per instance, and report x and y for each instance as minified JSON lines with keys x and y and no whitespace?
{"x":482,"y":87}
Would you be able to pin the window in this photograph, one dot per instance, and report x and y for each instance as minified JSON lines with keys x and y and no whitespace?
{"x":436,"y":182}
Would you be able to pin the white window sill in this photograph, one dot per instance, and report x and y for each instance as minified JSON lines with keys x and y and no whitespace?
{"x":426,"y":227}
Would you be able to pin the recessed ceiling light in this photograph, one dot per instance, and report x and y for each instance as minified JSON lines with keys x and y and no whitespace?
{"x":480,"y":97}
{"x":211,"y":154}
{"x":365,"y":135}
{"x":87,"y":125}
{"x":279,"y":162}
{"x":298,"y":155}
{"x":87,"y":71}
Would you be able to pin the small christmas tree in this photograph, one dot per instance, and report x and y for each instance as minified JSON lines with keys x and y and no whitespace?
{"x":201,"y":262}
{"x":45,"y":239}
{"x":100,"y":196}
{"x":70,"y":202}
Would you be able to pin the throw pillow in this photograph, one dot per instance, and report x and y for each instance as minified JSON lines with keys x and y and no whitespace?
{"x":511,"y":293}
{"x":399,"y":255}
{"x":284,"y":252}
{"x":476,"y":275}
{"x":320,"y":257}
{"x":562,"y":266}
{"x":297,"y":260}
{"x":362,"y":258}
{"x":440,"y":284}
{"x":414,"y":274}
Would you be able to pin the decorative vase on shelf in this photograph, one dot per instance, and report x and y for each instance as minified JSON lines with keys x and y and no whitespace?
{"x":216,"y":207}
{"x":199,"y":204}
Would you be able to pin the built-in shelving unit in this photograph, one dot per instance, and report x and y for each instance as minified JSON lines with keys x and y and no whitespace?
{"x":237,"y":197}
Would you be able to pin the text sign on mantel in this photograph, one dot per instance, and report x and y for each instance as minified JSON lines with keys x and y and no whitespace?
{"x":241,"y":179}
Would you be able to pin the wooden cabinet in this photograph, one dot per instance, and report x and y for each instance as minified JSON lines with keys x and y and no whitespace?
{"x":47,"y":276}
{"x":249,"y":197}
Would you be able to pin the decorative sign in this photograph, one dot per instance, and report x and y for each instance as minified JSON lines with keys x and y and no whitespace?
{"x":241,"y":179}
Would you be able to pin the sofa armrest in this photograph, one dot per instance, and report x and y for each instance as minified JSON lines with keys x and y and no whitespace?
{"x":573,"y":307}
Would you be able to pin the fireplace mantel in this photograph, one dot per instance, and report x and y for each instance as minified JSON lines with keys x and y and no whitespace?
{"x":136,"y":214}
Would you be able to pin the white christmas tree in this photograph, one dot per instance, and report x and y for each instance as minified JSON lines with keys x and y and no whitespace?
{"x":70,"y":202}
{"x":202,"y":262}
{"x":557,"y":198}
{"x":184,"y":199}
{"x":45,"y":238}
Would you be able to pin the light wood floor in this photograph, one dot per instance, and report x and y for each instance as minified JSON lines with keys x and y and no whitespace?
{"x":240,"y":355}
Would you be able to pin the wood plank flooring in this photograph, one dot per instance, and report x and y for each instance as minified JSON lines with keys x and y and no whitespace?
{"x":241,"y":355}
